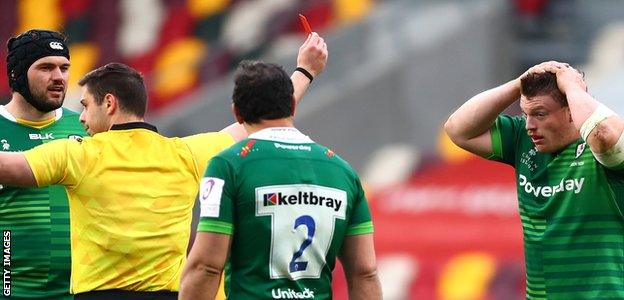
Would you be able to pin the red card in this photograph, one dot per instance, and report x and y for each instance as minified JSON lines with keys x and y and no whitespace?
{"x":305,"y":24}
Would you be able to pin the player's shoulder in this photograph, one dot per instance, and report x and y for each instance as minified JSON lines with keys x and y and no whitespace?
{"x":67,"y":112}
{"x":330,"y":155}
{"x":240,"y":149}
{"x":68,"y":115}
{"x":511,"y":120}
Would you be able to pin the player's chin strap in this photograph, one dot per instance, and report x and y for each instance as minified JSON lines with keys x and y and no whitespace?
{"x":614,"y":156}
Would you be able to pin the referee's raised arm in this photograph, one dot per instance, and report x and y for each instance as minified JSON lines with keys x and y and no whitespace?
{"x":311,"y":62}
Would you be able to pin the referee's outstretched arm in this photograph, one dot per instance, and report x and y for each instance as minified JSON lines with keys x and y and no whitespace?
{"x":15,"y":171}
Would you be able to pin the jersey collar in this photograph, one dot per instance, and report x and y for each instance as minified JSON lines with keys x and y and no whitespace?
{"x":58,"y":113}
{"x":282,"y":134}
{"x":134,"y":125}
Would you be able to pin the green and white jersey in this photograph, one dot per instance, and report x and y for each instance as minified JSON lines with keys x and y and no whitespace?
{"x":288,"y":204}
{"x":571,"y":212}
{"x":35,"y":221}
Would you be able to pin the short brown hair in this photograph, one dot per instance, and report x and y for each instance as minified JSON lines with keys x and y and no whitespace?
{"x":542,"y":84}
{"x":120,"y":80}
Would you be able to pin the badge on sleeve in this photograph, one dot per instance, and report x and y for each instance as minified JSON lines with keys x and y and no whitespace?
{"x":210,"y":192}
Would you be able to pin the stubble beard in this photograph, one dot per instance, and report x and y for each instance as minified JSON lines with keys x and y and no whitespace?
{"x":41,"y":102}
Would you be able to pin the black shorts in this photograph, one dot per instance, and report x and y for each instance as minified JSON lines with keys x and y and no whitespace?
{"x":126,"y":295}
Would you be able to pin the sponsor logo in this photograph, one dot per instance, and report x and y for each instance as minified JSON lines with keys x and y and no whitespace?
{"x":291,"y":294}
{"x":39,"y":136}
{"x":6,"y":263}
{"x":574,"y":185}
{"x":527,"y":159}
{"x":270,"y":199}
{"x":292,"y":147}
{"x":301,"y":198}
{"x":579,"y":150}
{"x":75,"y":137}
{"x":5,"y":145}
{"x":56,"y":45}
{"x":532,"y":152}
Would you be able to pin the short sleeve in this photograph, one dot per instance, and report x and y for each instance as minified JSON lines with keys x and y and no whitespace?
{"x":505,"y":135}
{"x":360,"y":220}
{"x":56,"y":162}
{"x":215,"y":197}
{"x":204,"y":146}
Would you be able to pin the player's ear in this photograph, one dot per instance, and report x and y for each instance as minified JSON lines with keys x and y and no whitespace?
{"x":294,"y":106}
{"x":236,"y":114}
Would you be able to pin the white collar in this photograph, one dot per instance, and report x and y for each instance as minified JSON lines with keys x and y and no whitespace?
{"x":282,"y":134}
{"x":58,"y":113}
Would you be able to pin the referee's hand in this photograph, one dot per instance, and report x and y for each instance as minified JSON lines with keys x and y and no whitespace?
{"x":313,"y":54}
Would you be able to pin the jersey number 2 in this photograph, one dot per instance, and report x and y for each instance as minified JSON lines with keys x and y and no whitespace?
{"x":308,"y":222}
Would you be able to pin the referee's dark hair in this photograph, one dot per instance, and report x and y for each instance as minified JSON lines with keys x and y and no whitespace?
{"x":262,"y":91}
{"x":120,"y":80}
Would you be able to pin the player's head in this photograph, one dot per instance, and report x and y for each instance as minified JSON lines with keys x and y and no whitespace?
{"x":548,"y":117}
{"x":38,"y":68}
{"x":262,"y":91}
{"x":110,"y":90}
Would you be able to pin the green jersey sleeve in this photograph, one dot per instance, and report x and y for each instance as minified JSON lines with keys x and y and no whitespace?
{"x":215,"y":196}
{"x":360,"y":220}
{"x":504,"y":134}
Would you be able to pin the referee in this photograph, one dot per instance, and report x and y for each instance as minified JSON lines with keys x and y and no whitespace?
{"x":131,"y":190}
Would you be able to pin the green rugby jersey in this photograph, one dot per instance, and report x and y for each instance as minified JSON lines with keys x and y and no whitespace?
{"x":570,"y":208}
{"x":288,"y":204}
{"x":37,"y":218}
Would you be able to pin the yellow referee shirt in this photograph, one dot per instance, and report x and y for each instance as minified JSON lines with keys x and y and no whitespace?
{"x":131,"y":194}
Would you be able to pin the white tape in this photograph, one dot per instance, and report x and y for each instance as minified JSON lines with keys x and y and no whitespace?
{"x":602,"y":112}
{"x":614,"y":156}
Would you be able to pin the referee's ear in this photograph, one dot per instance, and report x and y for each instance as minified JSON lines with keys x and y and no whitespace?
{"x":111,"y":103}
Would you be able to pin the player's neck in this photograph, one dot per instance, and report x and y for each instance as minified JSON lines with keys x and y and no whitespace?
{"x":19,"y":108}
{"x":264,"y":124}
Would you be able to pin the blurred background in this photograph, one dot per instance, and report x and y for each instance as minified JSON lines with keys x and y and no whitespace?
{"x":446,"y":222}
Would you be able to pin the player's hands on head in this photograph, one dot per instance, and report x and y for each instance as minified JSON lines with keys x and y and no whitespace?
{"x":313,"y":54}
{"x":568,"y":78}
{"x":548,"y":66}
